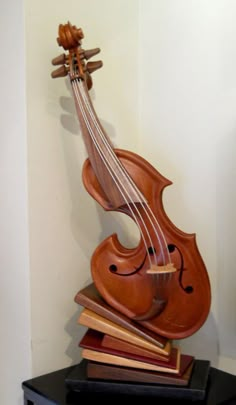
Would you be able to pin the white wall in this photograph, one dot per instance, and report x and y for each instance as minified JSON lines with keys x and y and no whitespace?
{"x":188,"y":124}
{"x":166,"y":91}
{"x":15,"y":353}
{"x":65,"y":224}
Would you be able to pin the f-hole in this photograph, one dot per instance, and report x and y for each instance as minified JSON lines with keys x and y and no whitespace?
{"x":188,"y":289}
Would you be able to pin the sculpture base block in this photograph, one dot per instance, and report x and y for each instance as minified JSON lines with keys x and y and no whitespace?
{"x":77,"y":380}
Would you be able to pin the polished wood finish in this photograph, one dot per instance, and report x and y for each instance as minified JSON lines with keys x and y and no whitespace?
{"x":94,"y":321}
{"x":92,"y":340}
{"x":162,"y":283}
{"x":112,"y":342}
{"x":110,"y":372}
{"x":89,"y":297}
{"x":107,"y":358}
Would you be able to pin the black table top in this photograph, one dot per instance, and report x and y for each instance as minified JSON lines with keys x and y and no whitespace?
{"x":51,"y":388}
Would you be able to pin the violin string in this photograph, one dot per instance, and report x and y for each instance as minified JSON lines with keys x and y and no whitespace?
{"x":166,"y":276}
{"x":138,"y":193}
{"x":106,"y":163}
{"x":117,"y":179}
{"x":102,"y":135}
{"x":80,"y":104}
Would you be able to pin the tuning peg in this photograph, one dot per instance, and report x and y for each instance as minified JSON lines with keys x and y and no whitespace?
{"x":60,"y":60}
{"x":89,"y":53}
{"x":60,"y":72}
{"x":92,"y":66}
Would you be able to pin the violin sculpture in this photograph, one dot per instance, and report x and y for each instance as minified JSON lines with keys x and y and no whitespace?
{"x":162,"y":283}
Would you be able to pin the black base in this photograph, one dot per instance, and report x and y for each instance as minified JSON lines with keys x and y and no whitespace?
{"x":50,"y":389}
{"x":77,"y":380}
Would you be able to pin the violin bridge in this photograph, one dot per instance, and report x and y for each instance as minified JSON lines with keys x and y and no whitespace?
{"x":168,"y":268}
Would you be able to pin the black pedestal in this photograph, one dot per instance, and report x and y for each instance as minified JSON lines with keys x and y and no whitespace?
{"x":52,"y":389}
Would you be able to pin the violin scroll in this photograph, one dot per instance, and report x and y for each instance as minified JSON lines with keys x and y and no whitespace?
{"x":69,"y":36}
{"x":74,"y":62}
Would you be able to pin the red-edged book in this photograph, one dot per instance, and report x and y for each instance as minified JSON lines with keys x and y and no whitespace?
{"x":92,"y":350}
{"x":113,"y":342}
{"x":90,"y":298}
{"x":92,"y":320}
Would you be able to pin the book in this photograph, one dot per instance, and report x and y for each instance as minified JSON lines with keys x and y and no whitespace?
{"x":108,"y":358}
{"x":109,"y":372}
{"x":196,"y":389}
{"x":94,"y":321}
{"x":92,"y":349}
{"x":114,"y":343}
{"x":89,"y":298}
{"x":80,"y":378}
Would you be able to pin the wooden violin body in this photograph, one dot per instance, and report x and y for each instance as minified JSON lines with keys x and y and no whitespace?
{"x":186,"y":295}
{"x":161,"y":283}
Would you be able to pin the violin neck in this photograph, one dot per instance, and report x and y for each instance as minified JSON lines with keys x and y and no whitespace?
{"x":111,"y":175}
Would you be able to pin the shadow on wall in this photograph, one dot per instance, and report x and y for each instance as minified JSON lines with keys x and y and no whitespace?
{"x":204,"y":344}
{"x":89,"y":222}
{"x":226,"y":237}
{"x":85,"y":223}
{"x":76,"y":332}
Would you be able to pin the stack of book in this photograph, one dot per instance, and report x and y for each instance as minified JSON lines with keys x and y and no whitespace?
{"x":115,"y":348}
